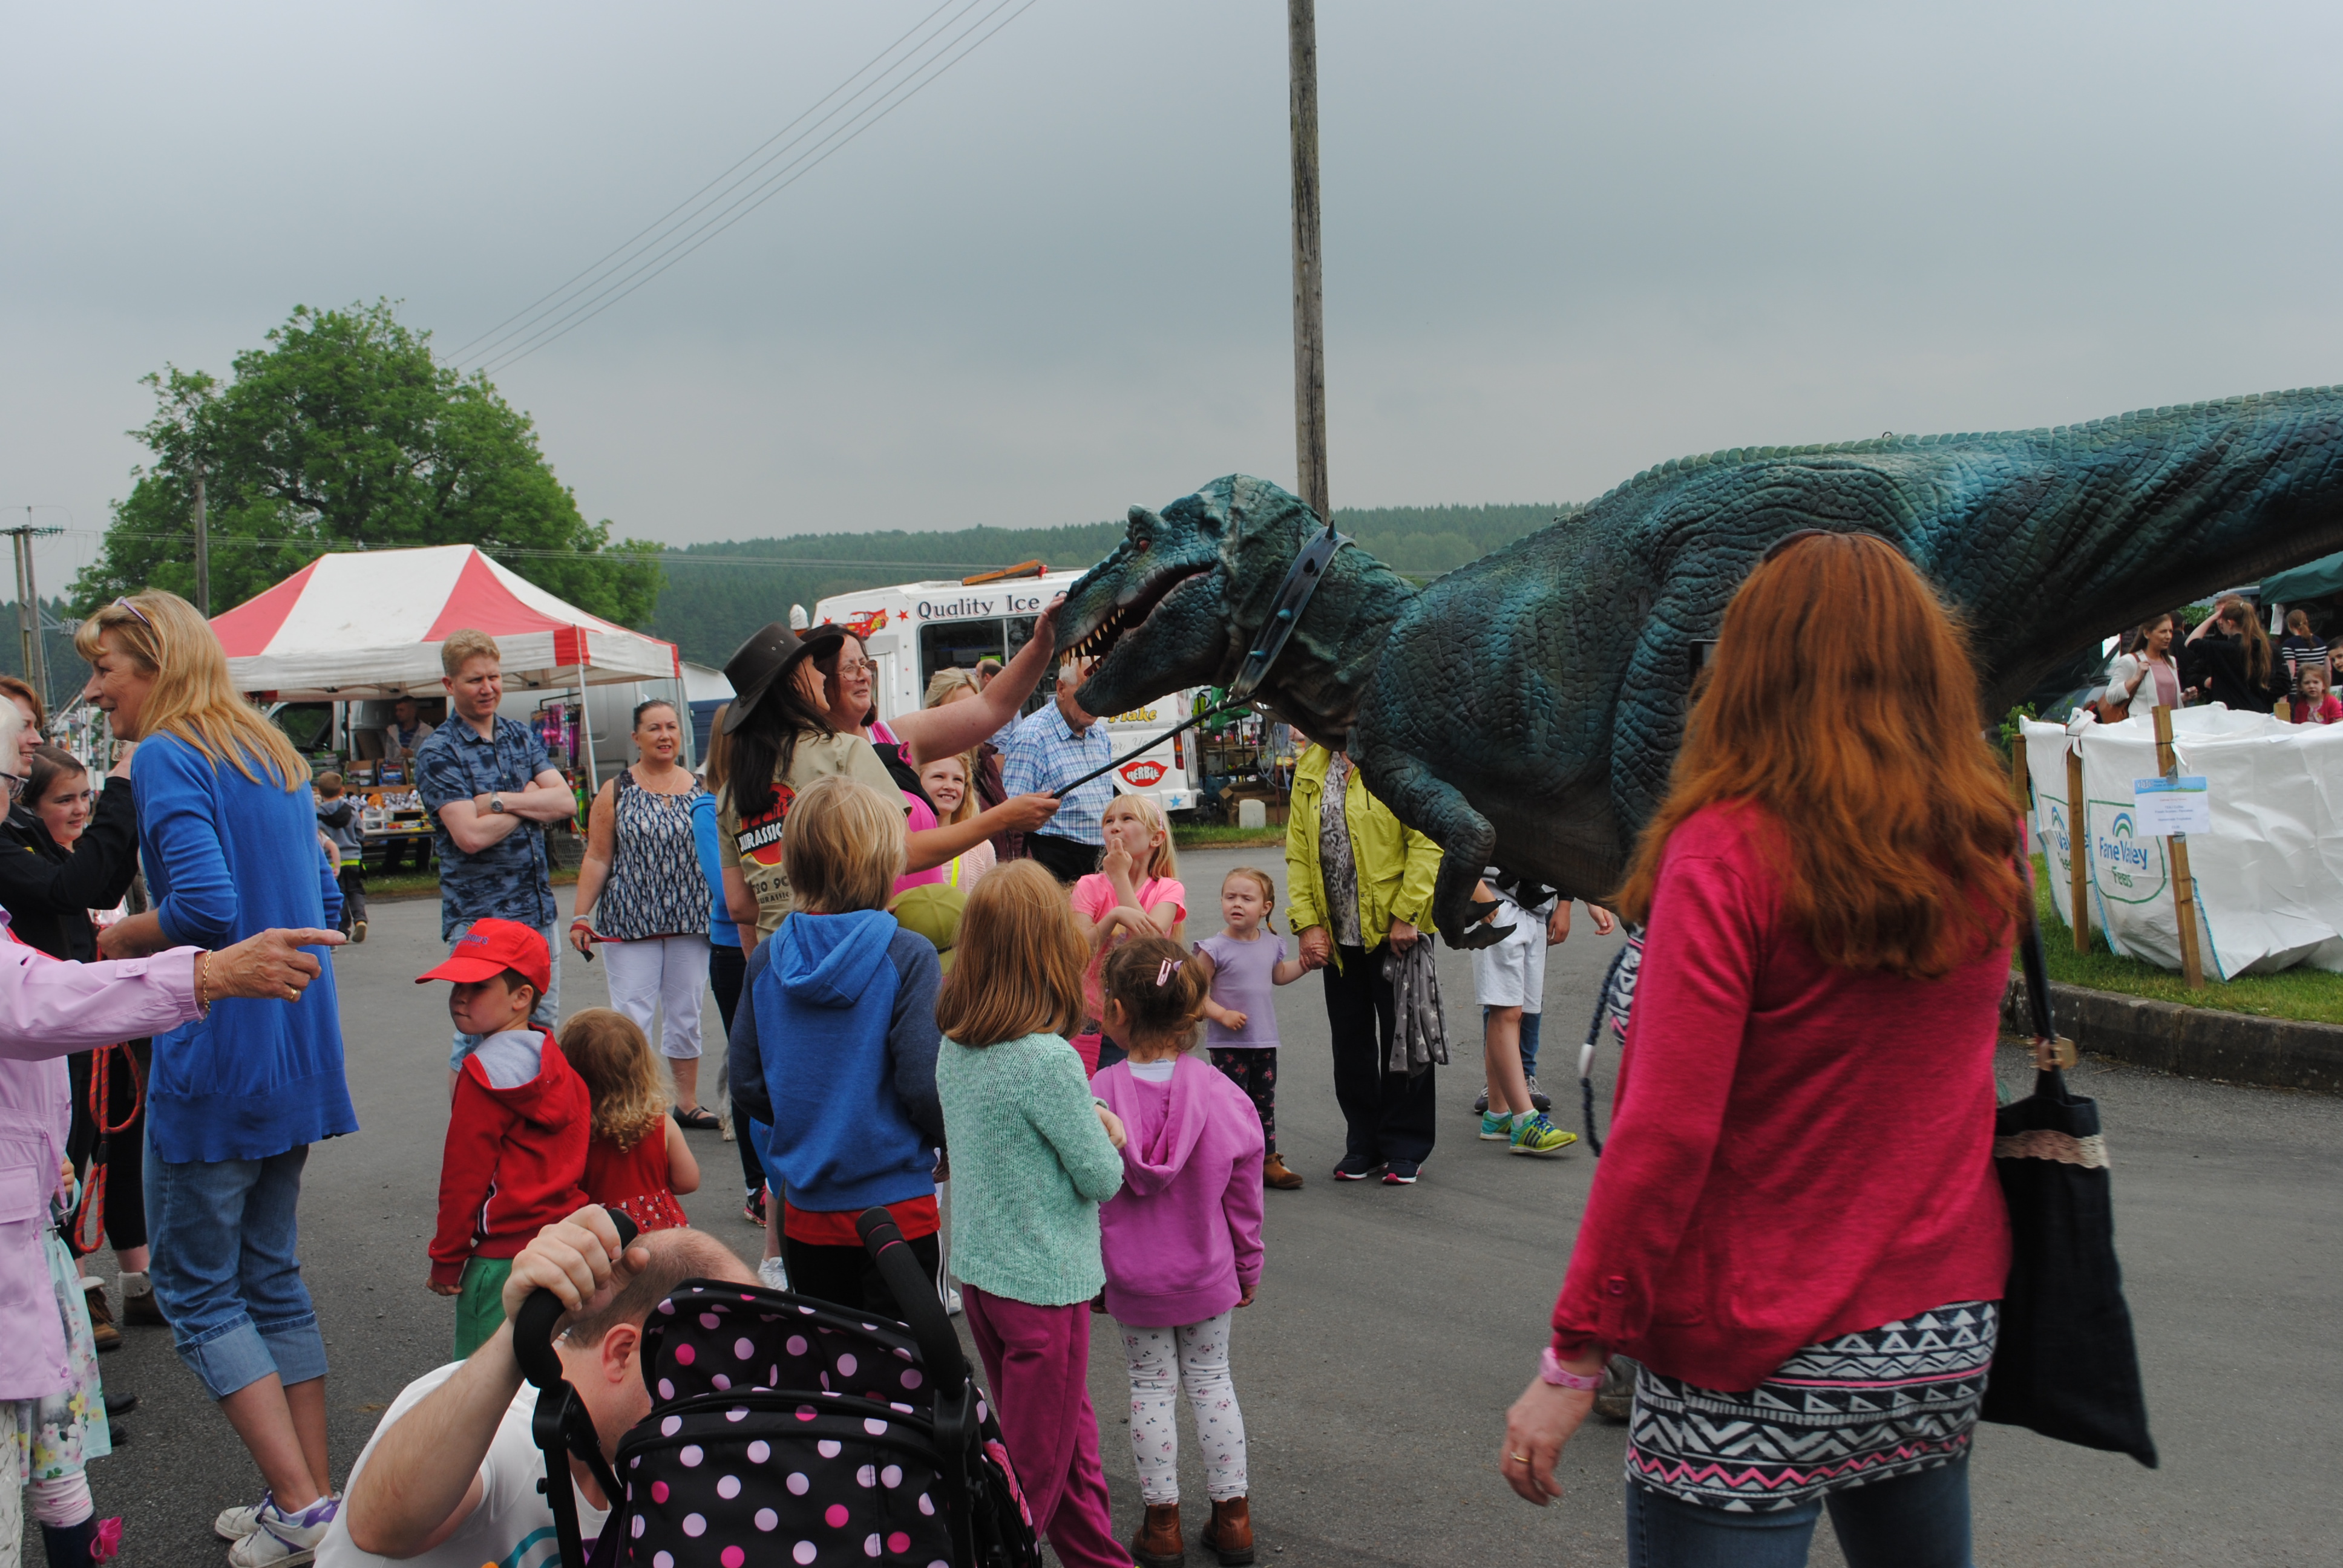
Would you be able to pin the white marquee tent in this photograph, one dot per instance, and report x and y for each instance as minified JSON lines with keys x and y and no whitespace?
{"x":369,"y":624}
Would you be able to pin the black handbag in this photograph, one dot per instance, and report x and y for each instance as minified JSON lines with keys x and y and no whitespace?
{"x":2065,"y":1364}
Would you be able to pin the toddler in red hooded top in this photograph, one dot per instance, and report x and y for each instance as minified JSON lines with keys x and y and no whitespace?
{"x":515,"y":1160}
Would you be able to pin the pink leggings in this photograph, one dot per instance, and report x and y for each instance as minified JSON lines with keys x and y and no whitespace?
{"x":1037,"y":1363}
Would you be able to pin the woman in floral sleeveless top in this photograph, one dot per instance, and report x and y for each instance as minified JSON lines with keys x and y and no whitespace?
{"x":648,"y":899}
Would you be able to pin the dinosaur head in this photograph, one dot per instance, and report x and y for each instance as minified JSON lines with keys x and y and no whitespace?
{"x":1177,"y":603}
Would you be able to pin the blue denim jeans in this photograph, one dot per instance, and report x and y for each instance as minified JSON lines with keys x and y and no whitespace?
{"x":548,"y":1011}
{"x":1917,"y":1521}
{"x":1529,"y":1039}
{"x":225,"y":1272}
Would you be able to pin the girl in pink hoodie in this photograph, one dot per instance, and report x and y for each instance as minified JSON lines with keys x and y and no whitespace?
{"x":1181,"y":1240}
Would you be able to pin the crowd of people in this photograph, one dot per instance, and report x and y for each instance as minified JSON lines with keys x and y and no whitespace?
{"x":2226,"y":658}
{"x":956,"y":977}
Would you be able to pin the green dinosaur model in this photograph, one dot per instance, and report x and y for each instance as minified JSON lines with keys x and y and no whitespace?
{"x":1525,"y":710}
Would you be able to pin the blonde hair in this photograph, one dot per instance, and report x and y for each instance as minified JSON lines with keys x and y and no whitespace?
{"x":1162,"y":861}
{"x":193,"y":698}
{"x":716,"y":763}
{"x":1017,"y":969}
{"x":1260,"y":880}
{"x":608,"y":1050}
{"x":845,"y":846}
{"x":463,"y":646}
{"x":968,"y":805}
{"x":946,"y":681}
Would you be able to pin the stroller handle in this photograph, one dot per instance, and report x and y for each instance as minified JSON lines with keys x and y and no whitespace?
{"x":533,"y":1324}
{"x":915,"y":1294}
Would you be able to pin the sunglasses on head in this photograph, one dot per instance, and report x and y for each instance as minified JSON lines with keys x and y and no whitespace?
{"x":134,"y":609}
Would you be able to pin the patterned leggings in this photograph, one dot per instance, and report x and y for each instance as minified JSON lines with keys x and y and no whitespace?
{"x":1162,"y":1362}
{"x":1255,"y":1072}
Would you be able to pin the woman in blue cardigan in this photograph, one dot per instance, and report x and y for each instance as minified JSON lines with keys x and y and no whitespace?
{"x":230,"y":847}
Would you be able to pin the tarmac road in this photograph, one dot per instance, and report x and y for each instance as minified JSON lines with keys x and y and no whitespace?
{"x":1395,"y":1324}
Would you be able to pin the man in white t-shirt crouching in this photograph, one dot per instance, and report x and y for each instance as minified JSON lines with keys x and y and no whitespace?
{"x":449,"y":1479}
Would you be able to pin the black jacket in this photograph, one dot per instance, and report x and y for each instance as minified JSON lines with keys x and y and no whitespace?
{"x":2217,"y":663}
{"x":48,"y":892}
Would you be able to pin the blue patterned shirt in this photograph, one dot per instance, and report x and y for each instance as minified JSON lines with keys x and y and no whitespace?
{"x":1043,"y":753}
{"x":512,"y":878}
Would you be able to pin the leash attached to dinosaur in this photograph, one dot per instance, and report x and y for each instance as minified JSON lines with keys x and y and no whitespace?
{"x":1293,"y":596}
{"x":1613,"y":1001}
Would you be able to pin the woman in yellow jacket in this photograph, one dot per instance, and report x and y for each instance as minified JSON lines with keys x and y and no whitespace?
{"x":1361,"y":886}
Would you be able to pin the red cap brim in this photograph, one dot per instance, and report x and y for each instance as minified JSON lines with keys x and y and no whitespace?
{"x":464,"y":969}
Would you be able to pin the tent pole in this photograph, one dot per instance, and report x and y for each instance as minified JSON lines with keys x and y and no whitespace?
{"x":586,"y":723}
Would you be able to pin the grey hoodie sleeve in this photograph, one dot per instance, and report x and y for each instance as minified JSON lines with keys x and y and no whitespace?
{"x":911,"y":1037}
{"x":745,"y":1064}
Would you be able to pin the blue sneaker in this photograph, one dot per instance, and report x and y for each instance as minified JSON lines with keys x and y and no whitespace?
{"x":1496,"y":1126}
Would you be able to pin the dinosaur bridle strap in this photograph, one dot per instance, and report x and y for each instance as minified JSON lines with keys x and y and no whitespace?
{"x":1301,"y":580}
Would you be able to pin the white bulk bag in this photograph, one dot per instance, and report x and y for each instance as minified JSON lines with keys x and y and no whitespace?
{"x":2269,"y":877}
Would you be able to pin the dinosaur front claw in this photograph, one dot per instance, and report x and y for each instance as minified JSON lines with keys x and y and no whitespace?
{"x":1480,"y":935}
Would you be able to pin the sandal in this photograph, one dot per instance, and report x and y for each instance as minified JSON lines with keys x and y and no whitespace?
{"x":698,"y":1119}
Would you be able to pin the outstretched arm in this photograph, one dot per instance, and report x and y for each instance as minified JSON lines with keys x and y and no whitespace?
{"x":957,"y":726}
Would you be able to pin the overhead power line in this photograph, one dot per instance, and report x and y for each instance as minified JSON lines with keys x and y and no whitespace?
{"x":926,"y":51}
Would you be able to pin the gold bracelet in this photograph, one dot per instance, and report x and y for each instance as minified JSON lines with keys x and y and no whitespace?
{"x":203,"y":984}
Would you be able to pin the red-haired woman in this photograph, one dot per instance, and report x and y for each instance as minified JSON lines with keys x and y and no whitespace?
{"x":1796,"y":1227}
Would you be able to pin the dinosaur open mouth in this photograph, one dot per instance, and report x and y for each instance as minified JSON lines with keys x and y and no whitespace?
{"x":1102,"y":638}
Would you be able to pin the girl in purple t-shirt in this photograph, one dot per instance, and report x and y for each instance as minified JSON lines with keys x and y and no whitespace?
{"x":1243,"y":963}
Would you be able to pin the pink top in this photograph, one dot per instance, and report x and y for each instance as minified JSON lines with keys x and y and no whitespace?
{"x":1182,"y":1236}
{"x":919,"y":816}
{"x":2328,"y":712}
{"x":50,"y":1009}
{"x":1094,"y":896}
{"x":1796,"y":1151}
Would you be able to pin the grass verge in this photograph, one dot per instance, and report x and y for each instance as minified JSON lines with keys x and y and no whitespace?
{"x":425,"y":884}
{"x":2315,"y":996}
{"x":1221,"y":835}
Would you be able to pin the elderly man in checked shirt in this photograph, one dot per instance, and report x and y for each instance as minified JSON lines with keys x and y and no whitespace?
{"x":1049,"y":747}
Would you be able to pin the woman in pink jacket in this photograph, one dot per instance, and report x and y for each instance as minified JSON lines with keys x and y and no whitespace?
{"x":49,"y":1008}
{"x":1181,"y":1241}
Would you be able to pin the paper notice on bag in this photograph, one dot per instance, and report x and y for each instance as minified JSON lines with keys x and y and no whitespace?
{"x":2170,"y":806}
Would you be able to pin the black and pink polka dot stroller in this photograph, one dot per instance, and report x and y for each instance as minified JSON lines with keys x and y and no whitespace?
{"x":785,"y":1430}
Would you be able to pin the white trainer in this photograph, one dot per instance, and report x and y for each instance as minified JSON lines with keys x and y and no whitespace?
{"x":284,"y":1540}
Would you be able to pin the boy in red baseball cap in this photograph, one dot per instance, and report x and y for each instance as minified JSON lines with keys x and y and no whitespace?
{"x":515,"y":1160}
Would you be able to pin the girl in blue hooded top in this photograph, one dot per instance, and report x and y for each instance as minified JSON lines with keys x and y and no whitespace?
{"x":844,"y":1005}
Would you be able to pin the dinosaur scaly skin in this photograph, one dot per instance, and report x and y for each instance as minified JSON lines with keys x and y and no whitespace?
{"x":1525,"y":710}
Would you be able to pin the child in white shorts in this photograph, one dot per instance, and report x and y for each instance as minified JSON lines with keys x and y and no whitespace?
{"x":1509,"y":982}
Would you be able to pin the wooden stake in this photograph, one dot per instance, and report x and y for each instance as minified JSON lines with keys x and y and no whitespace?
{"x":2017,"y":775}
{"x":1308,"y":323}
{"x":2078,"y":847}
{"x":2184,"y":886}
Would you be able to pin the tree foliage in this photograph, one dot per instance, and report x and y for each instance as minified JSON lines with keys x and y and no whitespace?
{"x":344,"y":433}
{"x":717,"y":594}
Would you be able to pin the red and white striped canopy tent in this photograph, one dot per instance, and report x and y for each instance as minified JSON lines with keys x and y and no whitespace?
{"x":368,"y":623}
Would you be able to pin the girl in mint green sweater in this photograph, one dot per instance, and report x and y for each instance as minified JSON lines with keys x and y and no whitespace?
{"x":1033,"y":1155}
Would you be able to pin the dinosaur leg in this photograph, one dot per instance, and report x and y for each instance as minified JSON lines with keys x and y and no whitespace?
{"x":1437,"y":809}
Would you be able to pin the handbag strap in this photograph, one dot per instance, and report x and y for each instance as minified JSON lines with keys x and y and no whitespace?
{"x":2049,"y":1081}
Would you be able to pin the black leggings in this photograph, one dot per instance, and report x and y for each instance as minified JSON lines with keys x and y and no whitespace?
{"x":1255,"y":1072}
{"x":727,"y":969}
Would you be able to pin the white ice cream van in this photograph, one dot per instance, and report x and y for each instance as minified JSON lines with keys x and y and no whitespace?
{"x":913,"y":629}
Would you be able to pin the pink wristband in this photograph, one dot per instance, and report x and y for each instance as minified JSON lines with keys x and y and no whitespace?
{"x":1551,"y":1369}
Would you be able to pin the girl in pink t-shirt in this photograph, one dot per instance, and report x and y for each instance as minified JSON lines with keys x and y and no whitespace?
{"x":1135,"y":892}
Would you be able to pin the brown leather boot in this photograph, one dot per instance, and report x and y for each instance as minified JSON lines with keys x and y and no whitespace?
{"x":101,"y":1320}
{"x":1158,"y":1543}
{"x":1231,"y":1531}
{"x":1276,"y":1173}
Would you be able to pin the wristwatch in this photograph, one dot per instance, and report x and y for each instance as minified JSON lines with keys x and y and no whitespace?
{"x":496,"y":803}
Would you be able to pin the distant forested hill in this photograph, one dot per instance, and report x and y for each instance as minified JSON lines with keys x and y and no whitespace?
{"x":715,"y":595}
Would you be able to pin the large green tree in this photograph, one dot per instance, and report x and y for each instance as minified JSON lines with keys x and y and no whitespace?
{"x":344,"y":432}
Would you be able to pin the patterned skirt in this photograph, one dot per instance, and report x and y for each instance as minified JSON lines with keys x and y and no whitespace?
{"x":1880,"y":1403}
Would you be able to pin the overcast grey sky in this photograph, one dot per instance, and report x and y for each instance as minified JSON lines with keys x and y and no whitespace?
{"x":1563,"y":241}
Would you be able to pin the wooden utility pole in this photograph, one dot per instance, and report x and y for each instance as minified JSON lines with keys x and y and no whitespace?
{"x":2184,"y":886}
{"x":203,"y":552}
{"x":28,"y":605}
{"x":1309,"y":320}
